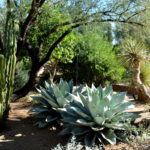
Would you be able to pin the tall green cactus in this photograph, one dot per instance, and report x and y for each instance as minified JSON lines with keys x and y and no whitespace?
{"x":7,"y":63}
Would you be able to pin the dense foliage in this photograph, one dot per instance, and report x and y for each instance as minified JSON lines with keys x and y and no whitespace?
{"x":96,"y":60}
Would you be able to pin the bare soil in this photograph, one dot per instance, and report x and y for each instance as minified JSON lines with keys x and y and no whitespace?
{"x":20,"y":133}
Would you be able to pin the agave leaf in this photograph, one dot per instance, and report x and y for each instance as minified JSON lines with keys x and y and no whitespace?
{"x":45,"y":101}
{"x":89,"y":140}
{"x":64,"y":112}
{"x":78,"y":89}
{"x":100,"y":120}
{"x":79,"y":105}
{"x":81,"y":113}
{"x":41,"y":124}
{"x":79,"y":130}
{"x":85,"y":123}
{"x":49,"y":87}
{"x":52,"y":101}
{"x":53,"y":104}
{"x":64,"y":87}
{"x":93,"y":88}
{"x":117,"y":99}
{"x":115,"y":125}
{"x":132,"y":116}
{"x":97,"y":129}
{"x":70,"y":120}
{"x":93,"y":109}
{"x":107,"y":91}
{"x":49,"y":90}
{"x":41,"y":100}
{"x":71,"y":85}
{"x":100,"y":89}
{"x":110,"y":136}
{"x":123,"y":107}
{"x":39,"y":109}
{"x":89,"y":94}
{"x":125,"y":116}
{"x":40,"y":115}
{"x":84,"y":101}
{"x":109,"y":114}
{"x":59,"y":96}
{"x":76,"y":98}
{"x":65,"y":130}
{"x":44,"y":93}
{"x":50,"y":118}
{"x":95,"y":97}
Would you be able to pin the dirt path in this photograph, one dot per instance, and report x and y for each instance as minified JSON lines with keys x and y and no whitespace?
{"x":22,"y":135}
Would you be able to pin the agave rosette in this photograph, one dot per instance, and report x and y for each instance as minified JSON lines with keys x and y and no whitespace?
{"x":98,"y":116}
{"x":53,"y":96}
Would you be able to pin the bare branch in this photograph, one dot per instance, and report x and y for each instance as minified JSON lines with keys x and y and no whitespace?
{"x":33,"y":12}
{"x":54,"y":45}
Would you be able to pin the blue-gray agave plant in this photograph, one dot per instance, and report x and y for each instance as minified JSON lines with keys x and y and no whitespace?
{"x":98,"y":116}
{"x":53,"y":96}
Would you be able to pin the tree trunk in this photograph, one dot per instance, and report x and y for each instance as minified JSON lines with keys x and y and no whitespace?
{"x":138,"y":87}
{"x":30,"y":84}
{"x":143,"y":93}
{"x":136,"y":74}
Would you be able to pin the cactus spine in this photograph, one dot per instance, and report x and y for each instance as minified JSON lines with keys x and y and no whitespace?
{"x":7,"y":64}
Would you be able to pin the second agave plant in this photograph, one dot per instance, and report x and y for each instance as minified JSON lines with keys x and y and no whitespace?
{"x":52,"y":97}
{"x":100,"y":116}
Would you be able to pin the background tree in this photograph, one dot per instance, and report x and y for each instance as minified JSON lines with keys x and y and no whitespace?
{"x":75,"y":13}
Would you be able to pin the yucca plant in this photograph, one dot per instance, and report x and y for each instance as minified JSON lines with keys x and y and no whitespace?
{"x":52,"y":97}
{"x":97,"y":117}
{"x":134,"y":54}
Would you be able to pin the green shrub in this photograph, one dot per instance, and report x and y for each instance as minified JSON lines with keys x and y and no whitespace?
{"x":53,"y":97}
{"x":21,"y":74}
{"x":100,"y":116}
{"x":97,"y":61}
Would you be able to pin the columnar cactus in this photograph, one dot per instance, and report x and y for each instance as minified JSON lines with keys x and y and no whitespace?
{"x":7,"y":69}
{"x":7,"y":63}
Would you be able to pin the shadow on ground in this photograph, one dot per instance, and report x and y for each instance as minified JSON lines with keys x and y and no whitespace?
{"x":20,"y":134}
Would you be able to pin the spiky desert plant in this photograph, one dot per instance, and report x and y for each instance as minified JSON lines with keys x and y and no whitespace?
{"x":53,"y":96}
{"x":134,"y":53}
{"x":98,"y":117}
{"x":7,"y":61}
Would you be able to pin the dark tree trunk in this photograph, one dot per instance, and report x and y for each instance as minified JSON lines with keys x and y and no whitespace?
{"x":30,"y":84}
